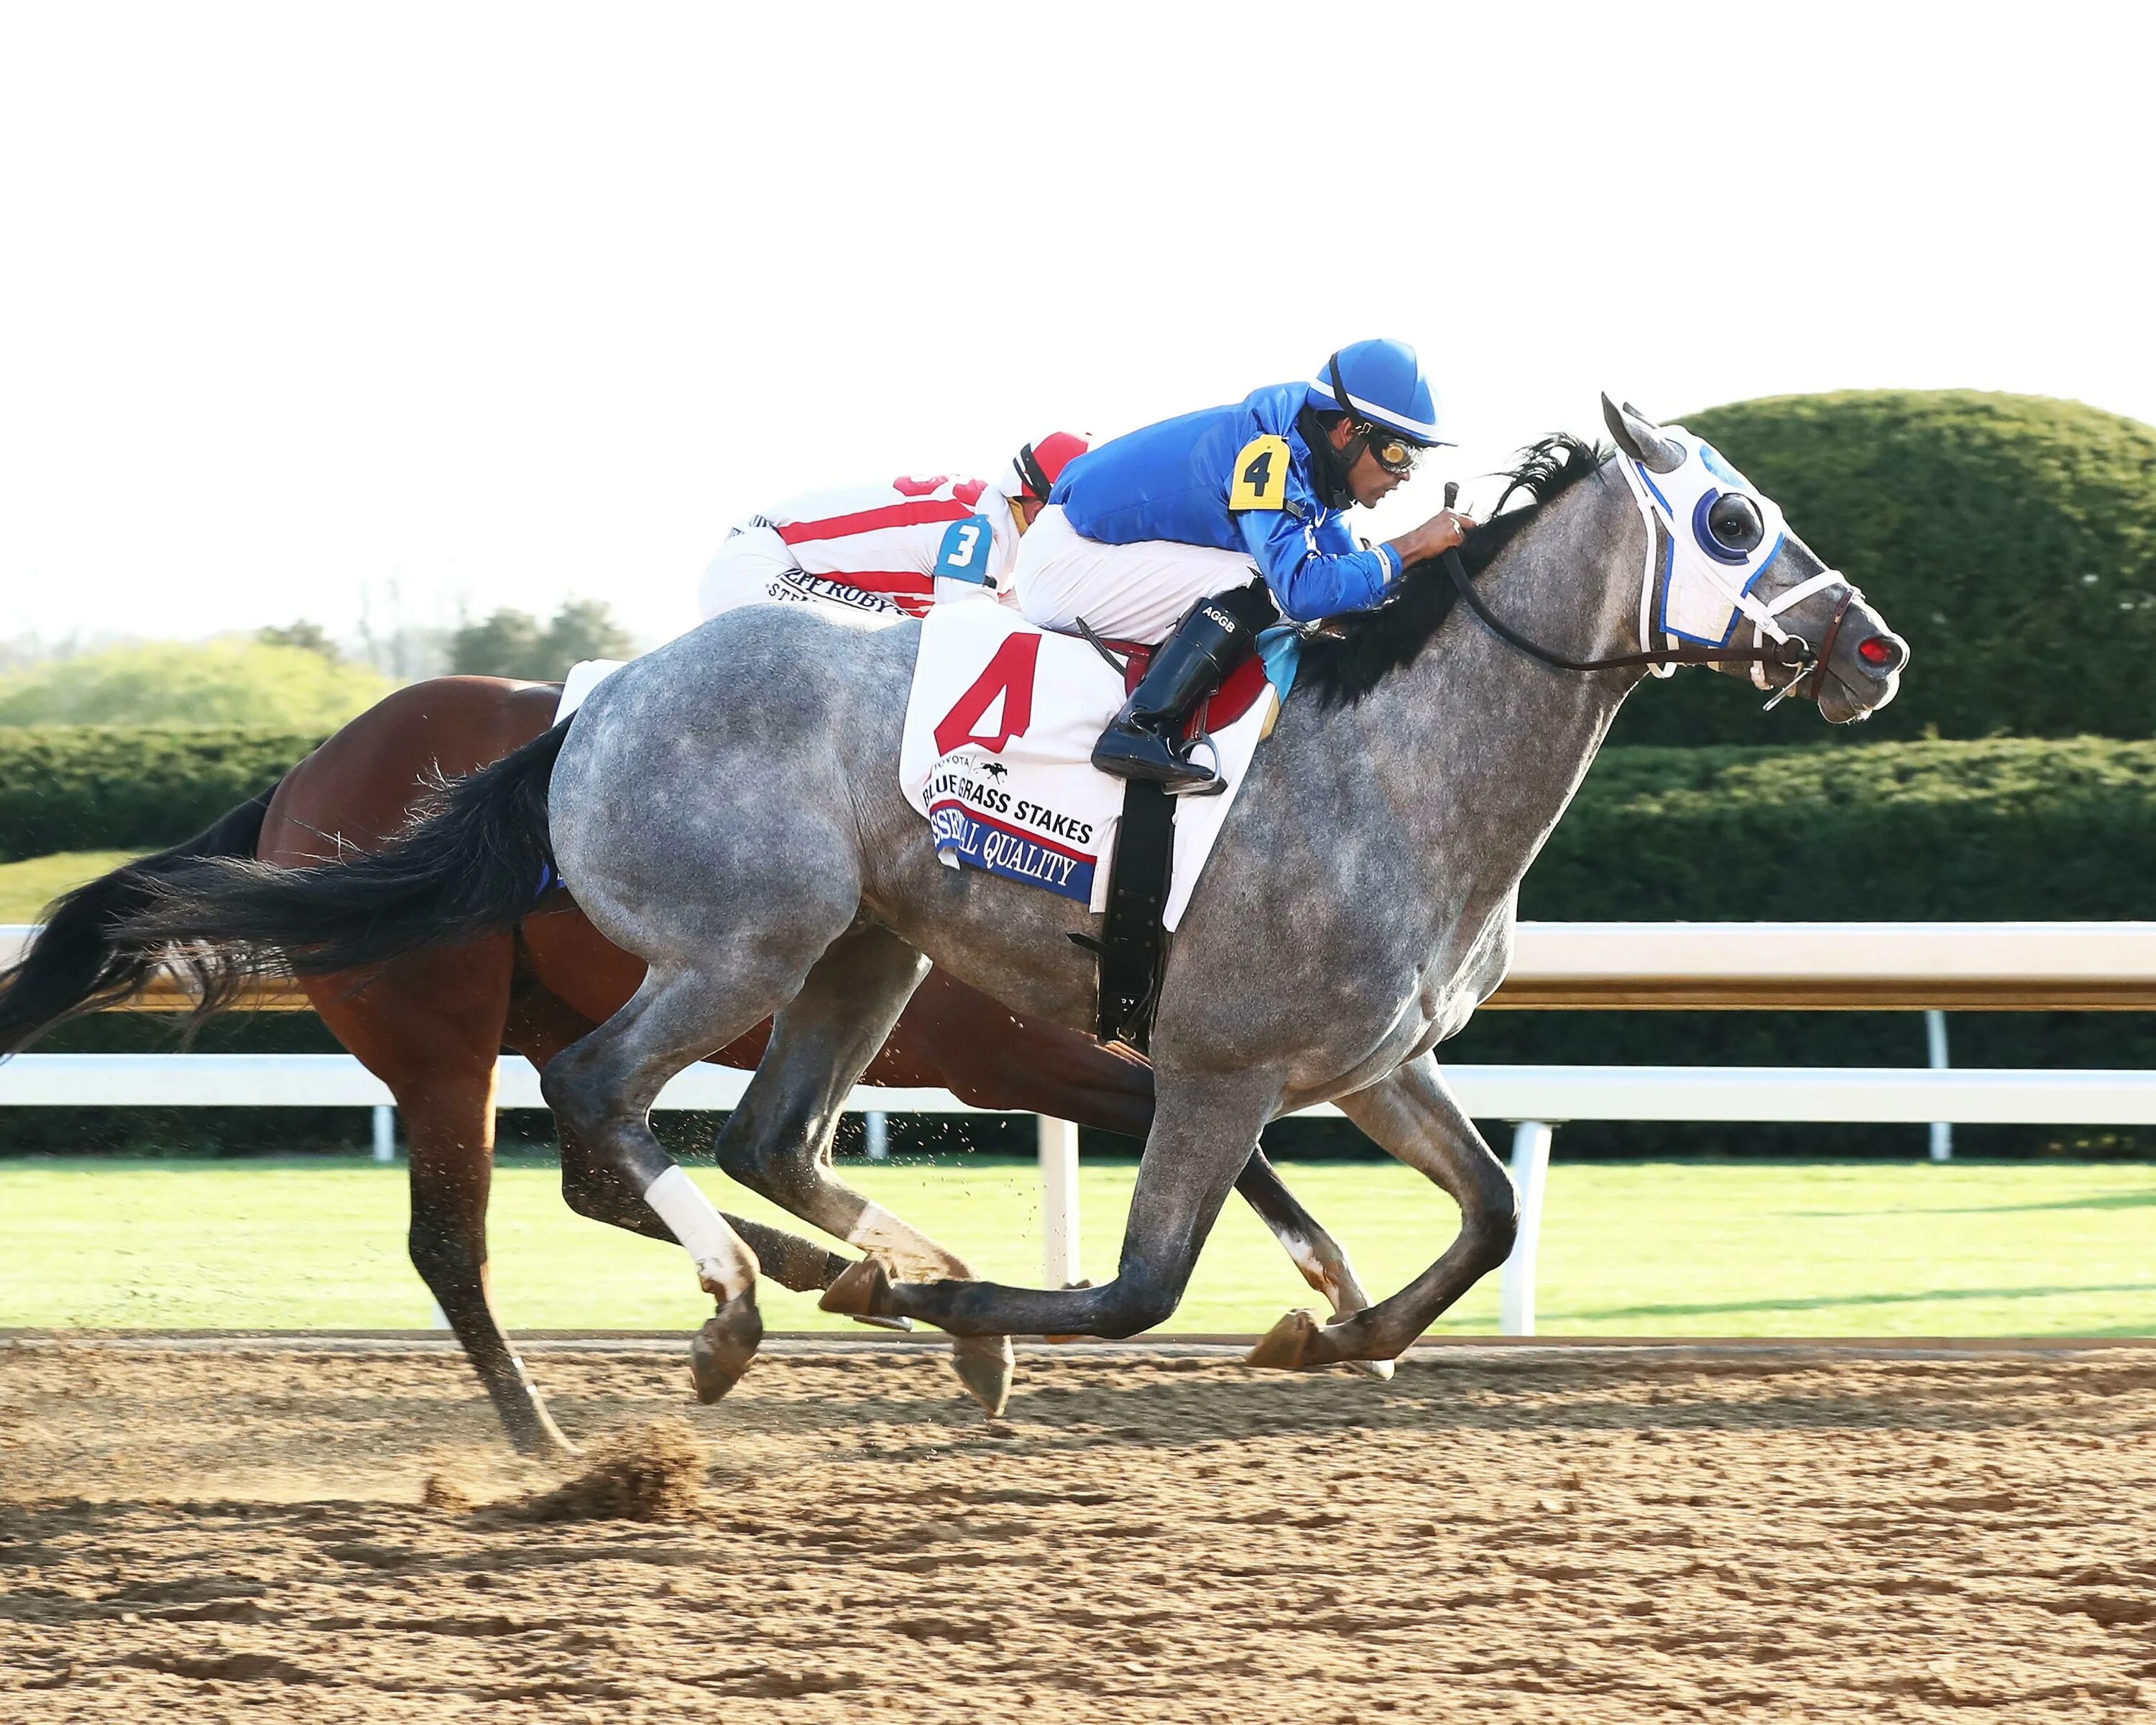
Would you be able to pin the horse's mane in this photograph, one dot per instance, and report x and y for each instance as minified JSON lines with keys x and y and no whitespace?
{"x":1359,"y":651}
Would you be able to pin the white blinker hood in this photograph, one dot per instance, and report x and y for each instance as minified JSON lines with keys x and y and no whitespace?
{"x":1693,"y":588}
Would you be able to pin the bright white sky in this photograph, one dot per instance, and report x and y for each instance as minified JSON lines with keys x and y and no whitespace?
{"x":507,"y":305}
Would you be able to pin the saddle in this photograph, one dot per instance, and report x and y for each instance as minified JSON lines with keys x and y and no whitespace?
{"x":996,"y":757}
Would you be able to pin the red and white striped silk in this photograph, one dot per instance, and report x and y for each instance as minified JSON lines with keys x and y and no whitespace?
{"x":884,"y":539}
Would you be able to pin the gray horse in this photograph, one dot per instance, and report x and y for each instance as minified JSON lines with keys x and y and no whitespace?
{"x":728,"y":808}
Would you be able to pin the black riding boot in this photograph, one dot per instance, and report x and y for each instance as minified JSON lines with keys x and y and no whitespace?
{"x":1144,"y":741}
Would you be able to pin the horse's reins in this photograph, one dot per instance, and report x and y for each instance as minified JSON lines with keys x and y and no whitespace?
{"x":1794,"y":654}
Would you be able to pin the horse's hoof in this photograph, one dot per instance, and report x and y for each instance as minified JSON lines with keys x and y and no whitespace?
{"x":1380,"y":1369}
{"x":985,"y":1365}
{"x":725,"y":1345}
{"x":904,"y":1325}
{"x":1296,"y":1343}
{"x":863,"y":1291}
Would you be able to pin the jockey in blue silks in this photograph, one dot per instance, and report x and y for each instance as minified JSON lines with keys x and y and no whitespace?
{"x":1154,"y":536}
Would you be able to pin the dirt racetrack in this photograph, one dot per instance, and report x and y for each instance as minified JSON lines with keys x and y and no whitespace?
{"x":240,"y":1532}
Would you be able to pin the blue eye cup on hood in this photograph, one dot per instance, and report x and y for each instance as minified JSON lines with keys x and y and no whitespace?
{"x":1705,"y":535}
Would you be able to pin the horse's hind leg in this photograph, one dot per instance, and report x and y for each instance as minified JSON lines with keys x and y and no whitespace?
{"x":602,"y":1088}
{"x":778,"y":1141}
{"x":592,"y":1188}
{"x":450,"y":1126}
{"x":429,"y":1028}
{"x":540,"y":1026}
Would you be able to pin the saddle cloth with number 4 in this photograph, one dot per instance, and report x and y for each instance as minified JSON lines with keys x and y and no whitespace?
{"x":999,"y":743}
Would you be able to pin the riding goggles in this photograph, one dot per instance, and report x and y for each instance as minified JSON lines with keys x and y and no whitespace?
{"x":1392,"y":452}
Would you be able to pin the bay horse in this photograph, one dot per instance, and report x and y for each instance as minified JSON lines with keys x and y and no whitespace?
{"x":1358,"y":907}
{"x":429,"y":1026}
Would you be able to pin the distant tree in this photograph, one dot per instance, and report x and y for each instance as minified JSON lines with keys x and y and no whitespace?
{"x":511,"y":643}
{"x":193,"y":683}
{"x":585,"y":629}
{"x":309,"y":636}
{"x":507,"y":644}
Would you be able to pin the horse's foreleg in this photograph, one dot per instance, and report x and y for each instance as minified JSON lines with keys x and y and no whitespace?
{"x":777,"y":1141}
{"x":996,"y":1059}
{"x":1202,"y":1133}
{"x":1413,"y":1115}
{"x":1321,"y":1258}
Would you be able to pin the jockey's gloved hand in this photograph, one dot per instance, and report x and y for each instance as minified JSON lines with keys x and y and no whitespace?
{"x":1435,"y":537}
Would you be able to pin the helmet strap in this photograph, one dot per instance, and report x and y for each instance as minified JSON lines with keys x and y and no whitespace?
{"x":1339,"y":389}
{"x":1329,"y":465}
{"x":1036,"y":475}
{"x":1363,"y":430}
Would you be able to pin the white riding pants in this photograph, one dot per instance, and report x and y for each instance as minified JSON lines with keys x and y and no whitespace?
{"x":755,"y":567}
{"x":1127,"y":592}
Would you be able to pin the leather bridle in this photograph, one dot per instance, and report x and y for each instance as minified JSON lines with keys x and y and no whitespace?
{"x":1850,"y":596}
{"x":1793,"y":653}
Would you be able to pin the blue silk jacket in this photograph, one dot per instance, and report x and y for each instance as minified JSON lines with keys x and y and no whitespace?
{"x":1238,"y":478}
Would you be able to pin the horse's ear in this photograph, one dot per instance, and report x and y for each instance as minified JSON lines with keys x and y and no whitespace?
{"x":1641,"y":438}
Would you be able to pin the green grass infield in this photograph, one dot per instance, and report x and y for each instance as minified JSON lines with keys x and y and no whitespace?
{"x":1731,"y":1248}
{"x":26,"y":887}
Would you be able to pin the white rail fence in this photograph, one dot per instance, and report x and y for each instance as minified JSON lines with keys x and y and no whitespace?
{"x":1980,"y":967}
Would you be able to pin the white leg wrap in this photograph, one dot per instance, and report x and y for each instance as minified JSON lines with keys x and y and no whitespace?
{"x":877,"y":1230}
{"x":1305,"y":1257}
{"x":724,"y":1264}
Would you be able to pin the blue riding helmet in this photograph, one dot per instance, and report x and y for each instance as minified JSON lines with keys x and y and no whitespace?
{"x":1382,"y":382}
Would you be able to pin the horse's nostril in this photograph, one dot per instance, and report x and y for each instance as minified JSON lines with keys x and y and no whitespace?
{"x":1882,"y":653}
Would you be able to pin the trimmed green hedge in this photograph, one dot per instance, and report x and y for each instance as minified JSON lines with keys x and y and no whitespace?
{"x":2012,"y":828}
{"x":226,"y":681}
{"x":2011,"y":538}
{"x":1889,"y":832}
{"x":2006,"y":827}
{"x":116,"y":787}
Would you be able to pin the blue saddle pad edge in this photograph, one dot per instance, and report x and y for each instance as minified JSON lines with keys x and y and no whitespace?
{"x":1281,"y":647}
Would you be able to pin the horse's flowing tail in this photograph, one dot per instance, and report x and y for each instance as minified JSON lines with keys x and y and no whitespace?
{"x":474,"y":864}
{"x":82,"y":960}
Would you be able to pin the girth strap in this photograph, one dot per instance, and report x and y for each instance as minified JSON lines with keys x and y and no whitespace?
{"x":1133,"y":948}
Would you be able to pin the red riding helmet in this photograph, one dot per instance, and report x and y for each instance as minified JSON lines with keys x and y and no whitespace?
{"x":1036,"y":467}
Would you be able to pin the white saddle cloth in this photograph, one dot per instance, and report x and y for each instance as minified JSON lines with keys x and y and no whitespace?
{"x":998,"y":756}
{"x":585,"y":675}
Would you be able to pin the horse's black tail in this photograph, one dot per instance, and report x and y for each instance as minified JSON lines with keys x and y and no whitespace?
{"x":82,"y":960}
{"x":474,"y":864}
